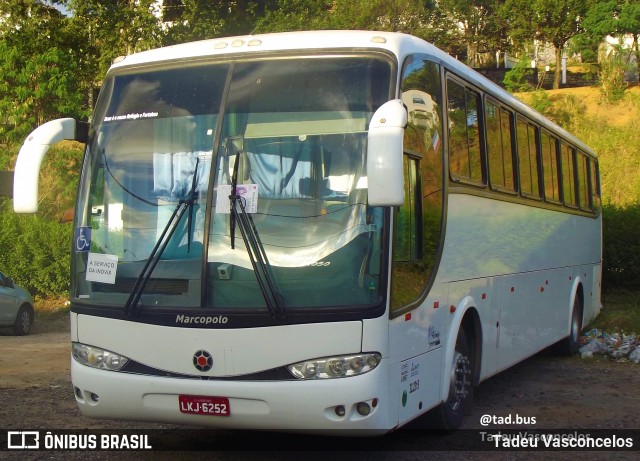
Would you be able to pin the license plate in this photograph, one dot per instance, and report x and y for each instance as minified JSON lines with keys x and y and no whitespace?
{"x":204,"y":405}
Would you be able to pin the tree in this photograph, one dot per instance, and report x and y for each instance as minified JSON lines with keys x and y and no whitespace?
{"x":477,"y":25}
{"x":106,"y":29}
{"x":616,"y":18}
{"x":202,"y":19}
{"x":292,"y":15}
{"x":38,"y":78}
{"x":548,"y":21}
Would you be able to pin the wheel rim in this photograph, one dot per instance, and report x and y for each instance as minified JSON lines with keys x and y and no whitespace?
{"x":460,"y":382}
{"x":25,"y":321}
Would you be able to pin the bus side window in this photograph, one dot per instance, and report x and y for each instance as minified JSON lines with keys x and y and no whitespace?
{"x":418,"y":220}
{"x":549,"y":149}
{"x":465,"y":159}
{"x":568,"y":176}
{"x":499,"y":126}
{"x":594,"y":181}
{"x":584,"y":194}
{"x":527,"y":159}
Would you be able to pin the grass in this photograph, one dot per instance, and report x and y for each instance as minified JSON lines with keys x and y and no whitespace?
{"x":52,"y":314}
{"x":620,"y":313}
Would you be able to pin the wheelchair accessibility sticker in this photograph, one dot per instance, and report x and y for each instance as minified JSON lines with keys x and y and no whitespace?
{"x":82,"y":239}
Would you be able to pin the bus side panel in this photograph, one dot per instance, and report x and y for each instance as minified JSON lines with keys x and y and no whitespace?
{"x":535,"y":252}
{"x":535,"y":307}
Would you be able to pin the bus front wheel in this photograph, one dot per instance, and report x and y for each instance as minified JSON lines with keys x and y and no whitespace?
{"x":460,"y":399}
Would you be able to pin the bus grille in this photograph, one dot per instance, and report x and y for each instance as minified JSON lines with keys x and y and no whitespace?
{"x":153,"y":286}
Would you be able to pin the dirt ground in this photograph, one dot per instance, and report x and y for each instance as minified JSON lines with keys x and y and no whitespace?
{"x":559,"y":392}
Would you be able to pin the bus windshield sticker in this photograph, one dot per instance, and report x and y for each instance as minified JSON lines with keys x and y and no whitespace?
{"x":82,"y":239}
{"x":132,"y":116}
{"x":102,"y":268}
{"x":248,"y":193}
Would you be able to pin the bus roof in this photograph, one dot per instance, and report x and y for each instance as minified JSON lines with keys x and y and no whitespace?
{"x":397,"y":44}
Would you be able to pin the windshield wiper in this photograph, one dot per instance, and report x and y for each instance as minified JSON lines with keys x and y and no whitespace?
{"x":254,"y":246}
{"x":156,"y":253}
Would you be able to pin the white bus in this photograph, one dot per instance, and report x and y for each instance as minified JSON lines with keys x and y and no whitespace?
{"x":316,"y":231}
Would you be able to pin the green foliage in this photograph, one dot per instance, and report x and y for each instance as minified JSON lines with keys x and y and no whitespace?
{"x":565,"y":112}
{"x":35,"y":251}
{"x":611,"y":77}
{"x":616,"y":18}
{"x":291,"y":15}
{"x":38,"y":70}
{"x":621,"y":311}
{"x":550,"y":21}
{"x":541,"y":102}
{"x":221,"y":18}
{"x":515,"y":79}
{"x":106,"y":29}
{"x":621,"y":247}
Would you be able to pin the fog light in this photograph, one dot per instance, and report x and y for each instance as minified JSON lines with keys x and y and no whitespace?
{"x":95,"y":397}
{"x":340,"y":411}
{"x":363,"y":408}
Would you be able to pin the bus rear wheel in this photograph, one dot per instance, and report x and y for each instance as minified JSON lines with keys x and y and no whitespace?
{"x":571,"y":343}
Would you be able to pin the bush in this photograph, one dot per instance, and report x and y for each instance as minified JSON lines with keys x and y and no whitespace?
{"x":564,"y":112}
{"x":35,"y":251}
{"x":621,"y":247}
{"x":515,"y":80}
{"x":611,"y":77}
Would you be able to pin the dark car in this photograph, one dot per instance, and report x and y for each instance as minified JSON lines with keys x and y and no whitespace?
{"x":16,"y":306}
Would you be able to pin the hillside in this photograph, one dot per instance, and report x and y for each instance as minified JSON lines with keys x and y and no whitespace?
{"x":619,"y":114}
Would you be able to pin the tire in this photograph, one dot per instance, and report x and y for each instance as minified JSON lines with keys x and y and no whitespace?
{"x":24,"y":320}
{"x":450,"y":414}
{"x":571,"y":343}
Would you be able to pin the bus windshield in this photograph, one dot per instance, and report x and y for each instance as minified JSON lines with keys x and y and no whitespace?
{"x":232,"y":186}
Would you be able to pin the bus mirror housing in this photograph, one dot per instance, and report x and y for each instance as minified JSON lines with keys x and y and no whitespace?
{"x":33,"y":150}
{"x":384,"y":155}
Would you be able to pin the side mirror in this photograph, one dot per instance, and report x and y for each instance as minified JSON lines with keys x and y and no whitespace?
{"x":385,"y":177}
{"x":33,"y":150}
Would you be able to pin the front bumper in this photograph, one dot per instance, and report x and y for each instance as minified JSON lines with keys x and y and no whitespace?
{"x":296,"y":405}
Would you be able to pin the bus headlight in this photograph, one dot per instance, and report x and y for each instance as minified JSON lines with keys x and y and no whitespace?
{"x":98,"y":358}
{"x":335,"y":367}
